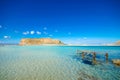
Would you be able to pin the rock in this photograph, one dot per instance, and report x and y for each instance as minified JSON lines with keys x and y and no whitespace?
{"x":116,"y":62}
{"x":40,"y":41}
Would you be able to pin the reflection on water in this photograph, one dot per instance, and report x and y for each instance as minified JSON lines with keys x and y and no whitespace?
{"x":55,"y":63}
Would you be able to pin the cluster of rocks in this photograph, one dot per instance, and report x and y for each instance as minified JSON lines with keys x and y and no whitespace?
{"x":90,"y":58}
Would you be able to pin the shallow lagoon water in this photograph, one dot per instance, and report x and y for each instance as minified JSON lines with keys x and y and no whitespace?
{"x":56,"y":63}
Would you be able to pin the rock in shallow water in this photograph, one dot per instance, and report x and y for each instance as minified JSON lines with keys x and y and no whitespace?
{"x":116,"y":62}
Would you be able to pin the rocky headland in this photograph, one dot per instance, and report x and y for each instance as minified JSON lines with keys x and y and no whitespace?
{"x":40,"y":41}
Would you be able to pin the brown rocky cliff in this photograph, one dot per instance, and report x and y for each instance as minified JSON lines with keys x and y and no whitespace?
{"x":39,"y":41}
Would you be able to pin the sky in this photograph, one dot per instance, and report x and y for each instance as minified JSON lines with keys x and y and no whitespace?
{"x":71,"y":21}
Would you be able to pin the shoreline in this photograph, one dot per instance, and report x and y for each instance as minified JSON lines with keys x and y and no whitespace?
{"x":62,"y":45}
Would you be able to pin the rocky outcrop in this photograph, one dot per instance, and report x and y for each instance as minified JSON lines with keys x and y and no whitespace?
{"x":116,"y":62}
{"x":40,"y":41}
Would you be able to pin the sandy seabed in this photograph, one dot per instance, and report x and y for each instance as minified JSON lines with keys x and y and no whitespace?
{"x":45,"y":63}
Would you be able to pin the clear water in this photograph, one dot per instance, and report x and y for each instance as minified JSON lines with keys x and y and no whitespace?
{"x":56,"y":63}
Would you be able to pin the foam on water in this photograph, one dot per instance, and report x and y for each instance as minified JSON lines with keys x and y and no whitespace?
{"x":54,"y":63}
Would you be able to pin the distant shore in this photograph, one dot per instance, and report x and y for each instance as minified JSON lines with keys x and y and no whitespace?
{"x":56,"y":45}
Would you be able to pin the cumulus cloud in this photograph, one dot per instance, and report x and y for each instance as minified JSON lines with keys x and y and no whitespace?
{"x":25,"y":33}
{"x":32,"y":32}
{"x":38,"y":32}
{"x":6,"y":37}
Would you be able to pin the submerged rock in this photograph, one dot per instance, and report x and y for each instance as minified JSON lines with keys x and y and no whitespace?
{"x":40,"y":41}
{"x":116,"y":62}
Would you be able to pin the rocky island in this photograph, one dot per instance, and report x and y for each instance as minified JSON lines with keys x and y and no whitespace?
{"x":40,"y":41}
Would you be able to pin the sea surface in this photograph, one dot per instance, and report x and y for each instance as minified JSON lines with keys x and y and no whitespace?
{"x":56,"y":63}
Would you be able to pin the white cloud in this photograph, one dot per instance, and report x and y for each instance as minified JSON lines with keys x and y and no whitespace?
{"x":38,"y":32}
{"x":25,"y":33}
{"x":45,"y":28}
{"x":32,"y":32}
{"x":6,"y":37}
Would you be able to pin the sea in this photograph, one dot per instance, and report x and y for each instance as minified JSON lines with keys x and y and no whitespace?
{"x":57,"y":63}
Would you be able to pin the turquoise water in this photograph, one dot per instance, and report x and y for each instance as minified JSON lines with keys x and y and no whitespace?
{"x":56,"y":63}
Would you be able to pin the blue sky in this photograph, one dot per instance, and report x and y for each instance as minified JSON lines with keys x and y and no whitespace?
{"x":72,"y":21}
